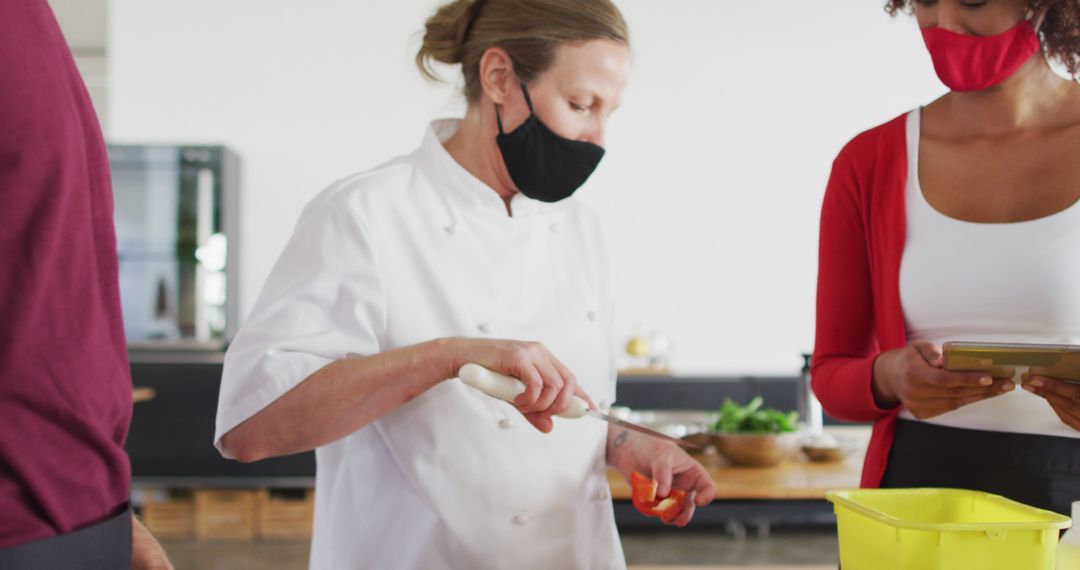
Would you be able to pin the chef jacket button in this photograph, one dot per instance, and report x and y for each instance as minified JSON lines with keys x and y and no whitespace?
{"x":554,"y":228}
{"x":449,"y":229}
{"x":601,"y":495}
{"x":520,"y":519}
{"x":591,"y":315}
{"x":484,"y":328}
{"x":505,"y":423}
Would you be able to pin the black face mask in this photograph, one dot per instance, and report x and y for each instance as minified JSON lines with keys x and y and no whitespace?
{"x":543,"y":165}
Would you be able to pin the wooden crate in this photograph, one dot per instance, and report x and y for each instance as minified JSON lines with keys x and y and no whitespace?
{"x":169,"y":513}
{"x":286,"y":513}
{"x":226,"y":514}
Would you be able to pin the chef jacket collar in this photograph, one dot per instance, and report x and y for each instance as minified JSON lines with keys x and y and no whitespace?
{"x":469,"y":189}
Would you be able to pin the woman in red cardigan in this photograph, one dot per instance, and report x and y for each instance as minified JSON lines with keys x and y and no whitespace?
{"x":960,"y":221}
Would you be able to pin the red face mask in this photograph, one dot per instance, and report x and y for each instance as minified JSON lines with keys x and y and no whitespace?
{"x":972,"y":63}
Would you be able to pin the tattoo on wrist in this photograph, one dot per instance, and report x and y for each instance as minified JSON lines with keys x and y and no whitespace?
{"x":620,"y":439}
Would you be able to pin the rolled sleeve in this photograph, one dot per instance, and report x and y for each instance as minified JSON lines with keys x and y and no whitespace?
{"x":322,"y":302}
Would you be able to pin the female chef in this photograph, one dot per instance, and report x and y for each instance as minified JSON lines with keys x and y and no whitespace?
{"x":468,"y":249}
{"x":960,"y":220}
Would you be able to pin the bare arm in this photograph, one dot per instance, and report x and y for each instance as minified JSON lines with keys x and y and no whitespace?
{"x":341,"y":398}
{"x":348,"y":394}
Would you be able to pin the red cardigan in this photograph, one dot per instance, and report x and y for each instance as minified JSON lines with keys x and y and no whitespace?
{"x":858,"y":296}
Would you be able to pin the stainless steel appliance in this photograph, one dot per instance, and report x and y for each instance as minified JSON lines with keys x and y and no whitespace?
{"x":177,"y":213}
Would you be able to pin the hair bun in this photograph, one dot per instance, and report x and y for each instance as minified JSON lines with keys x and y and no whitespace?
{"x":444,"y":35}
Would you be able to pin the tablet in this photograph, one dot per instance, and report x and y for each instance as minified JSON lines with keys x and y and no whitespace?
{"x":1001,"y":360}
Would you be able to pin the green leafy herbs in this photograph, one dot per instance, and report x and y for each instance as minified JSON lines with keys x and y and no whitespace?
{"x":751,"y":418}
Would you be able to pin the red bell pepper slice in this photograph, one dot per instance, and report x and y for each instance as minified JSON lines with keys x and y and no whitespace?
{"x":643,"y":495}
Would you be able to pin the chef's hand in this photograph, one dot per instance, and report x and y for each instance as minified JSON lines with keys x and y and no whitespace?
{"x":664,"y":462}
{"x":549,"y":384}
{"x":1063,"y":397}
{"x":915,"y":377}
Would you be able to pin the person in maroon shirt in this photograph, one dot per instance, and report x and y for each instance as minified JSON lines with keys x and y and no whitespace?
{"x":65,"y":386}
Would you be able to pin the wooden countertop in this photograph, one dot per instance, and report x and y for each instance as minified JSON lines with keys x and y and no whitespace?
{"x":798,"y":479}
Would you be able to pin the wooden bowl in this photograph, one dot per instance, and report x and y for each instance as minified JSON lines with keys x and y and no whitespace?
{"x":756,"y":450}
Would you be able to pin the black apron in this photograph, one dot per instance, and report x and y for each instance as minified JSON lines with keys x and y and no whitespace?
{"x":1037,"y":470}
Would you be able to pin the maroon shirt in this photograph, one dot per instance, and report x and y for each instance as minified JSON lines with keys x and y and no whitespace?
{"x":65,"y":385}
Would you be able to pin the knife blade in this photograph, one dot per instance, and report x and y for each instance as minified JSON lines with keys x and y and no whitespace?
{"x":642,"y":429}
{"x":507,"y":388}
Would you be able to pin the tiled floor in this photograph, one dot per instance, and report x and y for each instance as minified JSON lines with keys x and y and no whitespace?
{"x":654,"y":550}
{"x":711,"y":567}
{"x":755,"y":567}
{"x":263,"y":555}
{"x":704,"y":547}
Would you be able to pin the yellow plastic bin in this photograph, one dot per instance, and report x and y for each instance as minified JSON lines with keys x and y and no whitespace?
{"x":942,"y":529}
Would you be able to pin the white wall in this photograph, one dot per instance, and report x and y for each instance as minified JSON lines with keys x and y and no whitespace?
{"x":716,"y":164}
{"x":84,"y":25}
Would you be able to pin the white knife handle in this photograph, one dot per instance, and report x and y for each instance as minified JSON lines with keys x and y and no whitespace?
{"x":507,"y":388}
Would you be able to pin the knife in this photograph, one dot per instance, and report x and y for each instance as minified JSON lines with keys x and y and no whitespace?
{"x":506,"y":388}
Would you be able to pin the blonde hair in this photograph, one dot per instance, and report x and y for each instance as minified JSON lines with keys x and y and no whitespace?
{"x":529,"y":30}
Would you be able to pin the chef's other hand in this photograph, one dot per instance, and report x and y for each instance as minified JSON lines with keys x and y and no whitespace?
{"x":1063,"y":396}
{"x":549,"y":384}
{"x":670,"y":466}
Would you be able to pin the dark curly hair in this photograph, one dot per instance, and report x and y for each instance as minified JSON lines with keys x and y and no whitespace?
{"x":1060,"y":32}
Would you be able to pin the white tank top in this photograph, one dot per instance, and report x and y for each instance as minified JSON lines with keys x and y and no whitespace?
{"x":993,"y":282}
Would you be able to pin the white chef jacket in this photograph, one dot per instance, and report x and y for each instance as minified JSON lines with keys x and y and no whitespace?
{"x":418,"y":249}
